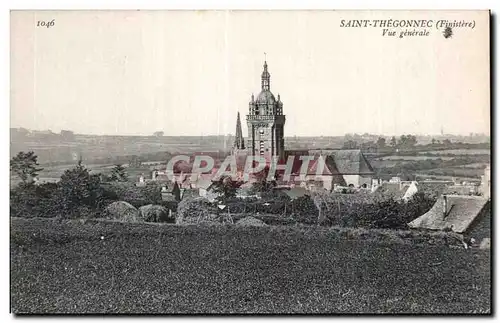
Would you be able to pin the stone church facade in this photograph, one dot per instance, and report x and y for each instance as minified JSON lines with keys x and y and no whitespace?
{"x":266,"y":122}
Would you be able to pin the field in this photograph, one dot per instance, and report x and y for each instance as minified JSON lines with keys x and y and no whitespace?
{"x":71,"y":267}
{"x":459,"y":152}
{"x":411,"y":158}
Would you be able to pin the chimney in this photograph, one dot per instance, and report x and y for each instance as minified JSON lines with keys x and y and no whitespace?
{"x":445,"y":205}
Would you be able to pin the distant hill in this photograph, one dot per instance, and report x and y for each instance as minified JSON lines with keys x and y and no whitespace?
{"x":62,"y":147}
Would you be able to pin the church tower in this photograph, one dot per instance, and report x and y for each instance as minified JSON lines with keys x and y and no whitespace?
{"x":239,"y":142}
{"x":266,"y":122}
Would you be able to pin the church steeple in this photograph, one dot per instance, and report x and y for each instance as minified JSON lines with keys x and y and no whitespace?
{"x":266,"y":78}
{"x":266,"y":122}
{"x":239,"y":142}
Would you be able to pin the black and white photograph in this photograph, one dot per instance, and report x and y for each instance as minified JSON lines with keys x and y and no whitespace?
{"x":250,"y":162}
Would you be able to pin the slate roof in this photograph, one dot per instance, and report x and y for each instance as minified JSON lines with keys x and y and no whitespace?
{"x":349,"y":161}
{"x":265,"y":96}
{"x":460,"y":214}
{"x":329,"y":169}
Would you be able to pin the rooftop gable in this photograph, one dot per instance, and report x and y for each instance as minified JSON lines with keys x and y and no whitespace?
{"x":461,"y":211}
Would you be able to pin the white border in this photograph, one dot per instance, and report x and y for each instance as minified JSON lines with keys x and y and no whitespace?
{"x":7,"y":5}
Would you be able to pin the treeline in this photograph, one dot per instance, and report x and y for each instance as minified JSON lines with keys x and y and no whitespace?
{"x":322,"y":208}
{"x":407,"y":143}
{"x":80,"y":194}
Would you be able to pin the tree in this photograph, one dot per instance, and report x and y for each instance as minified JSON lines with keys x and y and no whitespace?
{"x":393,"y":142}
{"x":381,"y":142}
{"x":433,"y":141}
{"x":152,"y":192}
{"x":225,"y":187}
{"x":263,"y":186}
{"x":158,"y":134}
{"x":407,"y":141}
{"x":118,"y":174}
{"x":411,"y":141}
{"x":24,"y":165}
{"x":403,"y":141}
{"x":78,"y":188}
{"x":447,"y":142}
{"x":368,"y":146}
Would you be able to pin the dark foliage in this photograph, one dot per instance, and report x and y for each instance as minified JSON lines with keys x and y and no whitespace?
{"x":79,"y":190}
{"x":29,"y":200}
{"x":118,"y":174}
{"x":25,"y":166}
{"x":226,"y":188}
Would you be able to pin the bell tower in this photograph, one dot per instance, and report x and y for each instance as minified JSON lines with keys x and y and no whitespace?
{"x":266,"y":122}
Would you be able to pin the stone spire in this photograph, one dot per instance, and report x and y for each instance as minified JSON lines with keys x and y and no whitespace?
{"x":266,"y":78}
{"x":239,"y":142}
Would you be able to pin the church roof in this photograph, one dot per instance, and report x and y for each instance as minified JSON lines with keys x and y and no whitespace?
{"x":349,"y":161}
{"x":265,"y":96}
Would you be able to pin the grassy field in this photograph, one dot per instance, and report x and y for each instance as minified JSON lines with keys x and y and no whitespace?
{"x":62,"y":267}
{"x":459,"y":152}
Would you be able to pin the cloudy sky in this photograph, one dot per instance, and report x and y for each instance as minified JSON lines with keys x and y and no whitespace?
{"x":190,"y":72}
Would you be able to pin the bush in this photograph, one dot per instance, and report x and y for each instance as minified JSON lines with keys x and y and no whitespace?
{"x":137,"y":196}
{"x":29,"y":200}
{"x":122,"y":211}
{"x":198,"y":210}
{"x":170,"y":205}
{"x":155,"y":213}
{"x":78,"y":188}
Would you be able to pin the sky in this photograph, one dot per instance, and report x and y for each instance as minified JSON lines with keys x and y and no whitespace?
{"x":190,"y":72}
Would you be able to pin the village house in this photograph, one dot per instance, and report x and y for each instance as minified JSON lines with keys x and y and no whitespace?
{"x":485,"y":187}
{"x":351,"y":164}
{"x":467,"y":215}
{"x":171,"y":193}
{"x":399,"y":191}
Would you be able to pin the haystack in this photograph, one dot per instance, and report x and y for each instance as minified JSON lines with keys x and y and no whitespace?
{"x":155,"y":213}
{"x":122,"y":211}
{"x":251,"y":221}
{"x":196,"y":211}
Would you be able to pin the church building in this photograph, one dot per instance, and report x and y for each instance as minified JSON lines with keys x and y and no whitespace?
{"x":266,"y":122}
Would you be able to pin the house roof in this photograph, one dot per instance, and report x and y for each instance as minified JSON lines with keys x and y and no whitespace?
{"x":349,"y":161}
{"x":329,"y":169}
{"x":461,"y":211}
